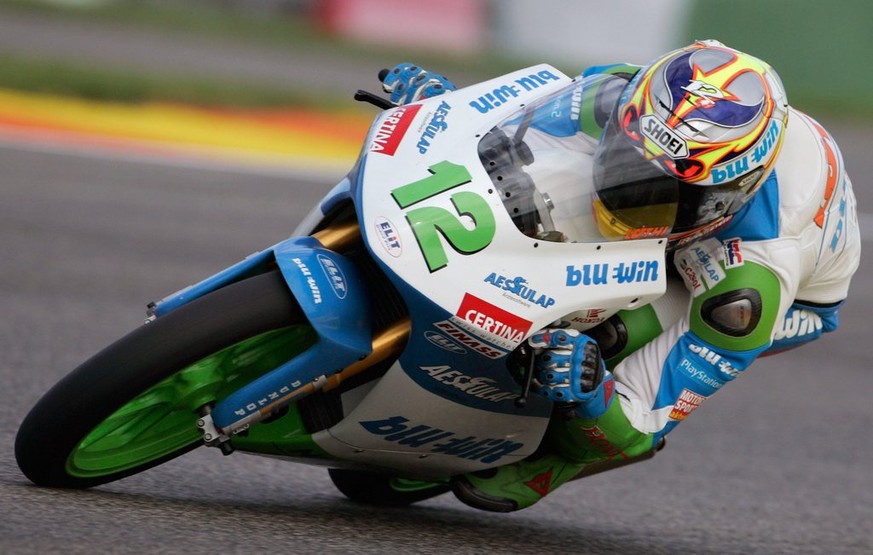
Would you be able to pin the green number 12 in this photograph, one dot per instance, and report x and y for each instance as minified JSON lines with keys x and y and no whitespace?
{"x":429,"y":222}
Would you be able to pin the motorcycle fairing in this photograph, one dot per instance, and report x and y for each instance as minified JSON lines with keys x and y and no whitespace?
{"x":475,"y":286}
{"x":447,"y":403}
{"x":400,"y":425}
{"x":450,"y":361}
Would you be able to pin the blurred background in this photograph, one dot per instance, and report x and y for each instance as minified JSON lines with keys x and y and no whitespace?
{"x":274,"y":63}
{"x":135,"y":49}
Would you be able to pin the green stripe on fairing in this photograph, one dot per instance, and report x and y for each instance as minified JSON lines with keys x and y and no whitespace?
{"x":587,"y":122}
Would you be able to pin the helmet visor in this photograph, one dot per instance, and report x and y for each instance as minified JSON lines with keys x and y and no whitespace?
{"x":635,"y":198}
{"x":640,"y":197}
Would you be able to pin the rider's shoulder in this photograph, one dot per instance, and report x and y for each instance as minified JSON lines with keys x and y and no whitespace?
{"x":809,"y":163}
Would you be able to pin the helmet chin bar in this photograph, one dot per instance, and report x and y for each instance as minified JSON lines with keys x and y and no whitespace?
{"x":678,"y":240}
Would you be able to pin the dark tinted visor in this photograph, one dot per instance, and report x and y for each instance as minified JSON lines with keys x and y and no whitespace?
{"x":643,"y":194}
{"x":633,"y":190}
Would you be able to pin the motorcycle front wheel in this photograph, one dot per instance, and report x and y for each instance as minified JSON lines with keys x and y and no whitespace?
{"x":134,"y":405}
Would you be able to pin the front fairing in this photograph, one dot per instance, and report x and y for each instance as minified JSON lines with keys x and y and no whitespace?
{"x":483,"y":255}
{"x":455,"y":240}
{"x":441,"y":219}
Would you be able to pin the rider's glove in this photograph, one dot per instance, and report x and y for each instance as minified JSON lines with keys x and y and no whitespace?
{"x":571,"y":371}
{"x":409,"y":83}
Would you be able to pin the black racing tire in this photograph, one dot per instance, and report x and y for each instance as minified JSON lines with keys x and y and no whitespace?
{"x":93,"y":392}
{"x":372,"y":488}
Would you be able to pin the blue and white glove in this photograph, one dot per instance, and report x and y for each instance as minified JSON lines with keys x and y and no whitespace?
{"x":570,"y":370}
{"x":409,"y":83}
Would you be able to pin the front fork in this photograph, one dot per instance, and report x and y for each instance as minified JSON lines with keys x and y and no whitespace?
{"x":333,"y":298}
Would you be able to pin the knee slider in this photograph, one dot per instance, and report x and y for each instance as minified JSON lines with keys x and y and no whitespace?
{"x":735,"y":313}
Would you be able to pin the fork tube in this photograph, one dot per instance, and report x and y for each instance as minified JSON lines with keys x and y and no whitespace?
{"x":388,"y":344}
{"x":339,"y":237}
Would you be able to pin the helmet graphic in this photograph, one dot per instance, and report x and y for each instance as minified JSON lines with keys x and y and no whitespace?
{"x":692,"y":138}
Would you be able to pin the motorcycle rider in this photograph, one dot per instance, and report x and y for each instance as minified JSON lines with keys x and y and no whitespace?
{"x":762,"y":229}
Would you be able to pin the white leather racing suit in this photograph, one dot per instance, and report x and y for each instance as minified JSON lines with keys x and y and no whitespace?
{"x":772,"y":279}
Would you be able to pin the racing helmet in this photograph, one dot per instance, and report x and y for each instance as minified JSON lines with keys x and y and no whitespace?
{"x":691,"y":139}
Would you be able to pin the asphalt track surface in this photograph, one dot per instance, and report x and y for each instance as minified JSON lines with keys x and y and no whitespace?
{"x":778,"y":465}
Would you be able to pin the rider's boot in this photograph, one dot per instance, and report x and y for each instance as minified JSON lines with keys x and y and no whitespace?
{"x":571,"y":446}
{"x":515,"y":486}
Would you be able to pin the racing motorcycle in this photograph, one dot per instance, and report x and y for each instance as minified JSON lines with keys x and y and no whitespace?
{"x":386,"y":339}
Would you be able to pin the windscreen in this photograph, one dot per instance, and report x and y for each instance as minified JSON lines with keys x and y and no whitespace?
{"x":543,"y":166}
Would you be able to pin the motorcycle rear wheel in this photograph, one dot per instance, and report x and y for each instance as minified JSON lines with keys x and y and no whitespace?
{"x":134,"y":405}
{"x":383,"y":490}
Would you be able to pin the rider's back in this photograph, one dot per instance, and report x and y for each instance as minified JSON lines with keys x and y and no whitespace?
{"x":817,"y":211}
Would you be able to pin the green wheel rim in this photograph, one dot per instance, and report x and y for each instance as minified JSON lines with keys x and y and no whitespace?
{"x":161,"y":420}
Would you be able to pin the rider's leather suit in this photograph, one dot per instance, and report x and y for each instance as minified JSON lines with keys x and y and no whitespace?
{"x":770,"y":280}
